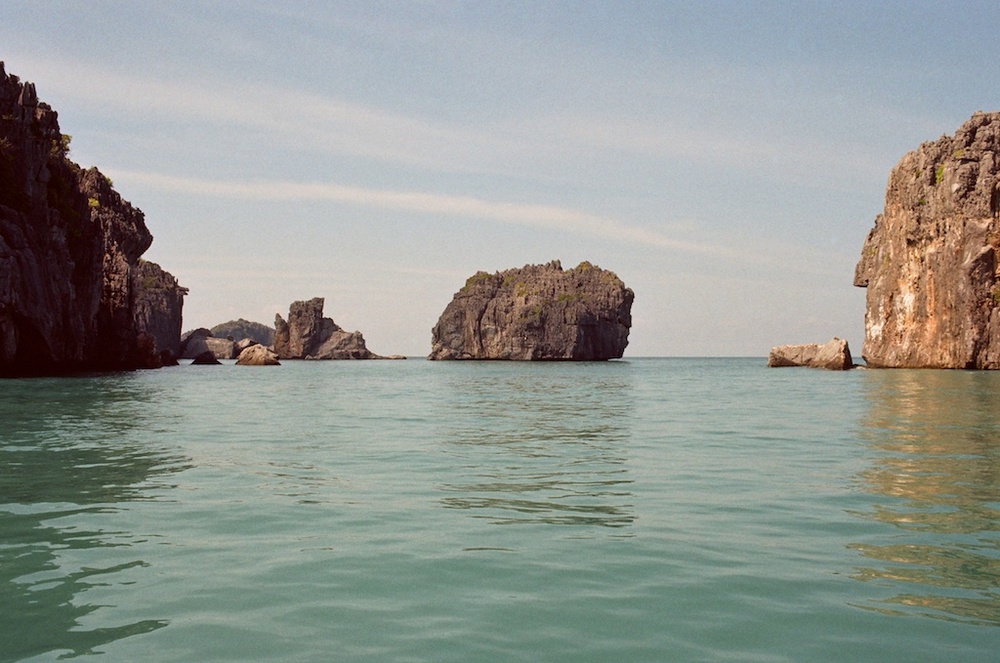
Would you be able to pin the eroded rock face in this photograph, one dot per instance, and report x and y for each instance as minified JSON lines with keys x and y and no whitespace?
{"x":69,"y":247}
{"x":930,"y":263}
{"x":537,"y":312}
{"x":834,"y":355}
{"x":159,"y":304}
{"x":308,"y":335}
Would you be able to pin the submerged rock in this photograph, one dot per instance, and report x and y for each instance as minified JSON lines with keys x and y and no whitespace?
{"x":930,"y":263}
{"x":206,"y":358}
{"x":308,"y":335}
{"x":834,"y":355}
{"x":537,"y":312}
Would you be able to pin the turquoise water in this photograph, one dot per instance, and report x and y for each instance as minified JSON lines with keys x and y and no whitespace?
{"x":640,"y":510}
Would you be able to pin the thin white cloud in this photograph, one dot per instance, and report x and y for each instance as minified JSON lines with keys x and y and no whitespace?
{"x":291,"y":119}
{"x":537,"y":215}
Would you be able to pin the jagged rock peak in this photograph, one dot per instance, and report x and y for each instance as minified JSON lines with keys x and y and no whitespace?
{"x":308,"y":335}
{"x":930,"y":263}
{"x":536,"y":312}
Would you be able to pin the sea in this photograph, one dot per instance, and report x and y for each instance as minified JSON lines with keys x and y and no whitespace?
{"x":643,"y":509}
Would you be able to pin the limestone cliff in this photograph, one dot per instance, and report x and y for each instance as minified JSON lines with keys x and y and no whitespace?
{"x":308,"y":335}
{"x":159,"y":301}
{"x":537,"y":312}
{"x":930,"y":263}
{"x":69,"y":246}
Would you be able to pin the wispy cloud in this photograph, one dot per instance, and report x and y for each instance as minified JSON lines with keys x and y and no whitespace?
{"x":538,"y":215}
{"x":294,"y":119}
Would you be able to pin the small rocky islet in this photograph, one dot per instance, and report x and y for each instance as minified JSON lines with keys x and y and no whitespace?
{"x":76,"y":295}
{"x":537,"y":312}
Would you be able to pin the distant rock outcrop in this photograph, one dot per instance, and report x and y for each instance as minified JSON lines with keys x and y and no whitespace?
{"x":537,"y":312}
{"x":196,"y":342}
{"x":833,"y":355}
{"x":69,"y":252}
{"x":241,"y":329}
{"x":308,"y":335}
{"x":930,"y":264}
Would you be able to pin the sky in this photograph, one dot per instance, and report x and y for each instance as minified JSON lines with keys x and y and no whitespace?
{"x":725,"y":159}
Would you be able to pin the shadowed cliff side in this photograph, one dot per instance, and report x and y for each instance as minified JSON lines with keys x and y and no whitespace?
{"x":537,"y":312}
{"x":69,"y":246}
{"x":930,"y":262}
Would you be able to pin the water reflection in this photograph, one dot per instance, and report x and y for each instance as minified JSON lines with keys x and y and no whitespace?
{"x":936,"y":438}
{"x":70,"y":459}
{"x":540,"y":443}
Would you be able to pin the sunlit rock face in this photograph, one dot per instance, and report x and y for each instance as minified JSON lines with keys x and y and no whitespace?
{"x":834,"y":355}
{"x":930,"y":262}
{"x":537,"y":312}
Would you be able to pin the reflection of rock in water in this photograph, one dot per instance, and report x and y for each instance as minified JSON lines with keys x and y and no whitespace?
{"x":543,"y":444}
{"x":69,"y":451}
{"x":937,"y":481}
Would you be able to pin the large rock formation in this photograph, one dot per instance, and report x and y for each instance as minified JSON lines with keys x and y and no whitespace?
{"x":538,"y":312}
{"x":833,"y":355}
{"x":308,"y":335}
{"x":69,"y":247}
{"x":930,"y":263}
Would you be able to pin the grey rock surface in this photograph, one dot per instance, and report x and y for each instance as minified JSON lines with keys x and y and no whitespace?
{"x":537,"y":312}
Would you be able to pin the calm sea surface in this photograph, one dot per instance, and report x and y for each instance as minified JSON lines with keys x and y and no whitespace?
{"x":639,"y":510}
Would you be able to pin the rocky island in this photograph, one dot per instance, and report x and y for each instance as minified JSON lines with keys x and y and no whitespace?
{"x":308,"y":335}
{"x":537,"y":312}
{"x":73,"y":293}
{"x":930,"y":264}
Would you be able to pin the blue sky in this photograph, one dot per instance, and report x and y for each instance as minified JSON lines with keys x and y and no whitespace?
{"x":725,"y":159}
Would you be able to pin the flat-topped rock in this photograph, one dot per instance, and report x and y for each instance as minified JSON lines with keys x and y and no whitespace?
{"x":834,"y":355}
